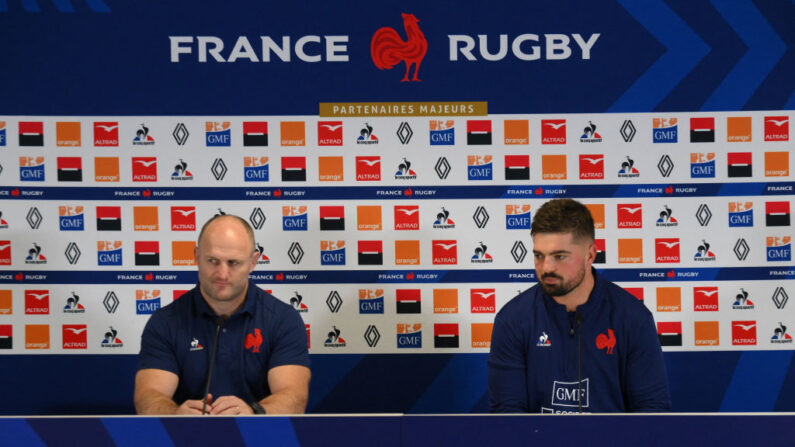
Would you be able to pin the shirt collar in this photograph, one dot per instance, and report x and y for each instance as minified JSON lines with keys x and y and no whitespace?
{"x":249,"y":304}
{"x":594,"y":299}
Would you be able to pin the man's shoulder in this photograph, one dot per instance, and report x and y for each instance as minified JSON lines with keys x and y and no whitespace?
{"x":269,"y":304}
{"x":522,"y":304}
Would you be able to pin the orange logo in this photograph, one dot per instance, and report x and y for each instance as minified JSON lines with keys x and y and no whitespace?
{"x":6,"y":304}
{"x":598,"y":213}
{"x":145,"y":218}
{"x":293,"y":133}
{"x":481,"y":335}
{"x":630,"y":251}
{"x":517,"y":132}
{"x":330,"y":169}
{"x":662,"y":123}
{"x":445,"y":301}
{"x":216,"y":126}
{"x":707,"y":333}
{"x":738,"y":129}
{"x":553,"y":167}
{"x":37,"y":336}
{"x":106,"y":169}
{"x":776,"y":164}
{"x":368,"y":218}
{"x":407,"y":252}
{"x":388,"y":49}
{"x":441,"y":124}
{"x":67,"y":134}
{"x":669,"y":299}
{"x":182,"y":253}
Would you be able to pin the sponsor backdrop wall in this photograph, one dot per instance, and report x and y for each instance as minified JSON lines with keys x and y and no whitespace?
{"x":390,"y":158}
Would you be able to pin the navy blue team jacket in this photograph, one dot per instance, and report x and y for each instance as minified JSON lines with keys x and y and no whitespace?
{"x":533,"y":360}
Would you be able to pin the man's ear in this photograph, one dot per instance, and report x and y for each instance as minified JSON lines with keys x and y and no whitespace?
{"x":254,"y":258}
{"x":591,"y":253}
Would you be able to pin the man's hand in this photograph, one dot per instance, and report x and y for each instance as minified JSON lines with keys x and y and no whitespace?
{"x":194,"y":407}
{"x":230,"y":406}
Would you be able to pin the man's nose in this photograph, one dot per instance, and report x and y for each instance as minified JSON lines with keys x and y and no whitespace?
{"x":549,"y":264}
{"x":222,"y":271}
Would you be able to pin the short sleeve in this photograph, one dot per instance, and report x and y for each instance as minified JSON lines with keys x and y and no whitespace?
{"x":290,"y":342}
{"x":157,"y":346}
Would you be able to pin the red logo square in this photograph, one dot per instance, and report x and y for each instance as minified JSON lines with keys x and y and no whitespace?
{"x":5,"y":252}
{"x":183,"y":218}
{"x":630,"y":215}
{"x":592,"y":166}
{"x":329,"y":133}
{"x":407,"y":217}
{"x":482,"y":301}
{"x":666,"y":250}
{"x":705,"y":299}
{"x":744,"y":332}
{"x":144,"y":169}
{"x":37,"y":302}
{"x":776,"y":128}
{"x":553,"y":131}
{"x":445,"y":252}
{"x":75,"y":336}
{"x":368,"y":169}
{"x":106,"y":133}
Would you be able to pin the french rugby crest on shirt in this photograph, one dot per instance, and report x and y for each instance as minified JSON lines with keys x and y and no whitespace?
{"x":253,"y":341}
{"x":606,"y":341}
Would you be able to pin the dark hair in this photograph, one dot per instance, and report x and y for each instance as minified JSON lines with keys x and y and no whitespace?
{"x":564,"y":216}
{"x":246,"y":226}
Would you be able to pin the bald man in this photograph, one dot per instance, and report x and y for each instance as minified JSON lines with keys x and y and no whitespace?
{"x":262,"y":361}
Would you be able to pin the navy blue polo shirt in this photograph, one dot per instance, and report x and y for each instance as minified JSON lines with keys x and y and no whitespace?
{"x":264,"y":333}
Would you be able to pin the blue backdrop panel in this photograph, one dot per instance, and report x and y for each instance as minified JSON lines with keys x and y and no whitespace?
{"x":111,"y":57}
{"x":383,"y":383}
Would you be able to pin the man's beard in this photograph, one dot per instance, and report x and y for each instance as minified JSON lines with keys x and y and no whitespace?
{"x":562,"y":288}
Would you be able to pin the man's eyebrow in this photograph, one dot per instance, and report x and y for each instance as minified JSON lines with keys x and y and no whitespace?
{"x":556,"y":252}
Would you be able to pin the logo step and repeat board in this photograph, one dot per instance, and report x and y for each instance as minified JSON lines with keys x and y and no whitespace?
{"x":394,"y":227}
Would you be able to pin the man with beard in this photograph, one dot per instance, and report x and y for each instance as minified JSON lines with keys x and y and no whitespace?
{"x":575,"y":342}
{"x":261,"y":357}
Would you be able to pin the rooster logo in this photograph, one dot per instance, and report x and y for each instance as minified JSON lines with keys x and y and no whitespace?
{"x":388,"y":49}
{"x":253,"y":341}
{"x":606,"y":341}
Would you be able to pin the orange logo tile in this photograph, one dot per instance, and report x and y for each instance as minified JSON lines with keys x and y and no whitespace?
{"x":669,"y":299}
{"x":67,"y":134}
{"x":481,"y":335}
{"x":707,"y":333}
{"x":37,"y":336}
{"x":407,"y":252}
{"x":598,"y":213}
{"x":330,"y":169}
{"x":517,"y":132}
{"x":293,"y":133}
{"x":738,"y":129}
{"x":145,"y":218}
{"x":630,"y":251}
{"x":776,"y":164}
{"x":445,"y":301}
{"x":182,"y":253}
{"x":6,"y":304}
{"x":553,"y":167}
{"x":106,"y":169}
{"x":368,"y":218}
